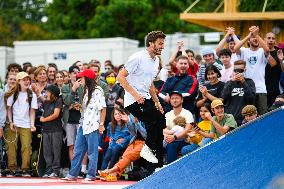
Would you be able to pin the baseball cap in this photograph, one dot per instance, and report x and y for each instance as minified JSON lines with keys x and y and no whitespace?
{"x":249,"y":110}
{"x":231,"y":38}
{"x":89,"y":73}
{"x":175,"y":92}
{"x":216,"y":102}
{"x":207,"y":50}
{"x":22,"y":75}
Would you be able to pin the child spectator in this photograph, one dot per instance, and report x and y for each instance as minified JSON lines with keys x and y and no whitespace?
{"x":197,"y":137}
{"x":119,"y":138}
{"x":249,"y":112}
{"x":221,"y":123}
{"x":225,"y":57}
{"x":179,"y":126}
{"x":52,"y":131}
{"x":132,"y":153}
{"x":21,"y":103}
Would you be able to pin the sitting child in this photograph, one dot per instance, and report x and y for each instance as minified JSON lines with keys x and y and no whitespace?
{"x":196,"y":137}
{"x":180,"y":123}
{"x":132,"y":152}
{"x":249,"y":112}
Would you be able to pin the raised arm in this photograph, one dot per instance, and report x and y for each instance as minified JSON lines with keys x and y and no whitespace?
{"x":220,"y":46}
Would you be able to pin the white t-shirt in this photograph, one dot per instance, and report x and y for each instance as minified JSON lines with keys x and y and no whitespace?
{"x":21,"y":109}
{"x":170,"y":116}
{"x":142,"y":70}
{"x":226,"y":74}
{"x":177,"y":129}
{"x":236,"y":56}
{"x":91,"y":114}
{"x":255,"y":67}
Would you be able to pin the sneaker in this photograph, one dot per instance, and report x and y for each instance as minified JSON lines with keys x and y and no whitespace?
{"x":68,"y":179}
{"x":53,"y":175}
{"x":82,"y":175}
{"x":88,"y":180}
{"x":11,"y":174}
{"x":26,"y":174}
{"x":45,"y":176}
{"x":147,"y":154}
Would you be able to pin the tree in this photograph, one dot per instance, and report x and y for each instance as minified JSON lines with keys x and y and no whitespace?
{"x":21,"y":19}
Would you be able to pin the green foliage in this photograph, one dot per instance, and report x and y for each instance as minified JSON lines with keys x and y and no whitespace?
{"x":77,"y":19}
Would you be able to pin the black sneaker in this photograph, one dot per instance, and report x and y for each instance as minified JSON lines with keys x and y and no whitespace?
{"x":26,"y":174}
{"x":11,"y":174}
{"x":82,"y":175}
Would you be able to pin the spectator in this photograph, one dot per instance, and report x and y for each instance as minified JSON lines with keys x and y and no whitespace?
{"x":109,"y":67}
{"x":79,"y":64}
{"x":272,"y":74}
{"x":52,"y":134}
{"x":132,"y":152}
{"x":231,"y":38}
{"x":115,"y":92}
{"x":51,"y":71}
{"x":256,"y":57}
{"x":39,"y":88}
{"x":279,"y":101}
{"x":176,"y":142}
{"x":198,"y":59}
{"x":249,"y":112}
{"x":196,"y":135}
{"x":92,"y":123}
{"x":11,"y":82}
{"x":119,"y":138}
{"x":238,"y":92}
{"x":85,"y":66}
{"x":72,"y":94}
{"x":181,"y":82}
{"x":59,"y":80}
{"x":14,"y":68}
{"x":27,"y":66}
{"x":31,"y":74}
{"x":225,"y":57}
{"x":211,"y":90}
{"x":280,"y":55}
{"x":66,"y":78}
{"x":100,"y":80}
{"x":179,"y":126}
{"x":208,"y":55}
{"x":192,"y":65}
{"x":221,"y":123}
{"x":21,"y":103}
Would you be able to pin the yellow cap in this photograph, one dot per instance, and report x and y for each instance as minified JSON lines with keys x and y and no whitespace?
{"x":216,"y":102}
{"x":21,"y":75}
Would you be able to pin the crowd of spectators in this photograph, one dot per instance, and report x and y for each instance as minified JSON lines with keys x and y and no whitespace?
{"x":204,"y":97}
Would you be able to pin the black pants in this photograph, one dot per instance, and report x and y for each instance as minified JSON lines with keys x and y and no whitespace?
{"x":154,"y":122}
{"x":52,"y":144}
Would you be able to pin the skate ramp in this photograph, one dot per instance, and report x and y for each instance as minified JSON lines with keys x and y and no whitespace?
{"x":251,"y":156}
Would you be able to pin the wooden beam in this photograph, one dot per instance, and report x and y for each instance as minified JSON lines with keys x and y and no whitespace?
{"x":232,"y":16}
{"x":231,"y":6}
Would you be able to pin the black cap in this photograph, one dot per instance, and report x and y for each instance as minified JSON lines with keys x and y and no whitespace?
{"x":176,"y":92}
{"x":71,"y":68}
{"x":54,"y":90}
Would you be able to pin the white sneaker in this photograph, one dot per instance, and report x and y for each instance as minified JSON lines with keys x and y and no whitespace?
{"x":147,"y":154}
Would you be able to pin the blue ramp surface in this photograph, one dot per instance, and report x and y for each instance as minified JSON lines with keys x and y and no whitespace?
{"x":251,"y":156}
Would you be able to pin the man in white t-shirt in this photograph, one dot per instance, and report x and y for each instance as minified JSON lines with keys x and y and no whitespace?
{"x":140,"y":98}
{"x":174,"y":141}
{"x":256,"y":57}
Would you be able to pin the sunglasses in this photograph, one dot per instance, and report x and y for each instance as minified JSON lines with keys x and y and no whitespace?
{"x":239,"y":70}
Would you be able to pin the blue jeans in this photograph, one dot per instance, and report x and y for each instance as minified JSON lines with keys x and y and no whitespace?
{"x":85,"y":143}
{"x":111,"y":157}
{"x":190,"y":148}
{"x":173,"y":150}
